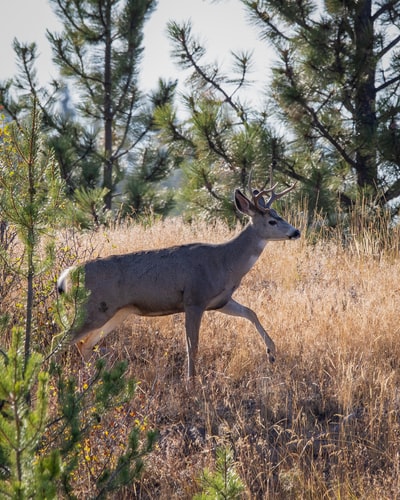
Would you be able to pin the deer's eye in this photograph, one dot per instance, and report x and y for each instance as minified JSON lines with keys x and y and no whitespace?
{"x":272,"y":222}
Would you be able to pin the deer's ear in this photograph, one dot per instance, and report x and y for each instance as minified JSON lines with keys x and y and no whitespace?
{"x":243,"y":204}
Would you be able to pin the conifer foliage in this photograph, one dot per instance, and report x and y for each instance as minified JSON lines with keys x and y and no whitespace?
{"x":224,"y":483}
{"x":45,"y":417}
{"x":331,"y":117}
{"x":96,"y":119}
{"x":99,"y":51}
{"x":336,"y":86}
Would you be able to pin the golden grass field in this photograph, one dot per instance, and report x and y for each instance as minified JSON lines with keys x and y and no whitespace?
{"x":322,"y":422}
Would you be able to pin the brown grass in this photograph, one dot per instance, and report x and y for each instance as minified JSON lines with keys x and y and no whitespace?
{"x":322,"y":422}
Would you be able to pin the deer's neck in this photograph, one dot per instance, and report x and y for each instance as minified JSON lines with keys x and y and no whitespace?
{"x":246,"y":248}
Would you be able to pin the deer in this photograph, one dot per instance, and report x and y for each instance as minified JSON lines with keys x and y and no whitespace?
{"x":191,"y":279}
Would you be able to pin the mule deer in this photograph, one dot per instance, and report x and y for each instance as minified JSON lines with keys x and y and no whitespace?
{"x":188,"y":279}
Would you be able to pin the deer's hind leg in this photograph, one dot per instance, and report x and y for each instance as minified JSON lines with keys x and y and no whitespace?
{"x":85,"y":345}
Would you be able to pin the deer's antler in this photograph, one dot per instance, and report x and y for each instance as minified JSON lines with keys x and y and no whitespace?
{"x":276,"y":196}
{"x":257,"y":196}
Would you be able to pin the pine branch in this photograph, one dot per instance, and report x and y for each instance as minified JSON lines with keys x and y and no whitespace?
{"x":182,"y":35}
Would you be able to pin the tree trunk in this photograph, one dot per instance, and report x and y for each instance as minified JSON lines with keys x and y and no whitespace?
{"x":108,"y":113}
{"x":365,"y":97}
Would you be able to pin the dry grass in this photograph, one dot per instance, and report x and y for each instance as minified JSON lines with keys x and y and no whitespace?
{"x":322,"y":422}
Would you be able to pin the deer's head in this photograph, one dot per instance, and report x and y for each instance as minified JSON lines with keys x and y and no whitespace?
{"x":268,"y":224}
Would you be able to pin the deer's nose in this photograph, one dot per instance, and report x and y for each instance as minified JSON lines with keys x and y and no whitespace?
{"x":294,"y":235}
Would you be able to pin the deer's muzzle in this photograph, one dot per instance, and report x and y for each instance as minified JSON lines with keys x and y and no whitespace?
{"x":295,"y":235}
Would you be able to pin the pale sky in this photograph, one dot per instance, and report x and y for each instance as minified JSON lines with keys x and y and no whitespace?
{"x":222,"y":26}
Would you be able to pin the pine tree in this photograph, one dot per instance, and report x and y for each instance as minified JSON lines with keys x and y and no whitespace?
{"x":24,"y":473}
{"x":39,"y":446}
{"x":31,"y":199}
{"x":334,"y":94}
{"x":99,"y":51}
{"x":337,"y":89}
{"x":224,"y":483}
{"x":221,"y":138}
{"x":74,"y":146}
{"x":104,"y":138}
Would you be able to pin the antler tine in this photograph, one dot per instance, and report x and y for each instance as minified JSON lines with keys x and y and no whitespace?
{"x":269,"y":190}
{"x":276,"y":196}
{"x":262,"y":189}
{"x":256,"y":195}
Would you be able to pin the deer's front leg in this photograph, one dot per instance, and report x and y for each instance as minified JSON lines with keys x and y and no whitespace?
{"x":233,"y":308}
{"x":193,"y":315}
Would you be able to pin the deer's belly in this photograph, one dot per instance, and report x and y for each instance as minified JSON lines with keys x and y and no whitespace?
{"x":221,"y":299}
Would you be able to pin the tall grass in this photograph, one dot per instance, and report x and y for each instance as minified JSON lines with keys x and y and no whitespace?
{"x":322,"y":422}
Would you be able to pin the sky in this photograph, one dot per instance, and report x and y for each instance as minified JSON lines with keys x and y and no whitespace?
{"x":222,"y":26}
